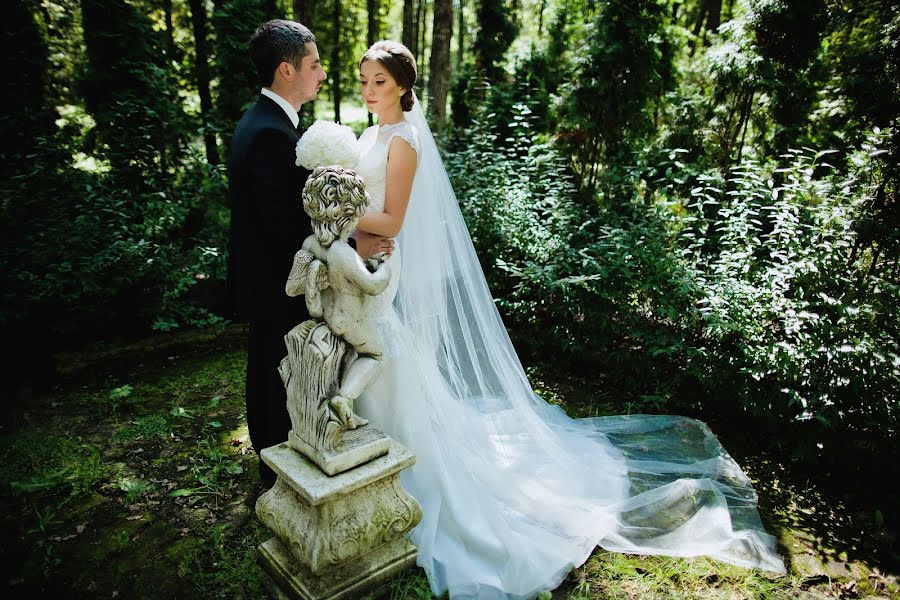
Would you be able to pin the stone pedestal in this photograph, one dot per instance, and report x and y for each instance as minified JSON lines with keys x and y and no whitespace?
{"x":358,"y":446}
{"x":335,"y":536}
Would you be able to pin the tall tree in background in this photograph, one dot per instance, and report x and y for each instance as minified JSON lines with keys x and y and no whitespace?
{"x":869,"y":74}
{"x":372,"y":34}
{"x":171,"y":47}
{"x":460,"y":35}
{"x":788,"y":36}
{"x":408,"y":34}
{"x":497,"y":29}
{"x":304,"y":12}
{"x":24,"y":53}
{"x":439,"y":67}
{"x":620,"y":80}
{"x":128,"y":90}
{"x":336,"y":59}
{"x":234,"y":22}
{"x":709,"y":17}
{"x":421,"y":39}
{"x":198,"y":22}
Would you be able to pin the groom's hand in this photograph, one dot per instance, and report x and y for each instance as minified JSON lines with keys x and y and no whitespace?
{"x":368,"y":244}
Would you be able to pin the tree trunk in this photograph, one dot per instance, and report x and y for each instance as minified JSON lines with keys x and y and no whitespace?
{"x":709,"y":18}
{"x":713,"y":16}
{"x":460,"y":36}
{"x":541,"y":17}
{"x":199,"y":21}
{"x":171,"y":49}
{"x":420,"y":33}
{"x":372,"y":34}
{"x":424,"y":48}
{"x":408,"y":35}
{"x":336,"y":61}
{"x":304,"y":11}
{"x":271,"y":8}
{"x":439,"y":67}
{"x":414,"y":46}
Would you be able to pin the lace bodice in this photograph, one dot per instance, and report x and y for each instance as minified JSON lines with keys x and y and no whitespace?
{"x":374,"y":145}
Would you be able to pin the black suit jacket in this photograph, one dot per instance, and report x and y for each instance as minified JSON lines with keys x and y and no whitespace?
{"x":268,"y":224}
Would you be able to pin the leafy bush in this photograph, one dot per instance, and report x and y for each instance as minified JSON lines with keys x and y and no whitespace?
{"x":569,"y":278}
{"x":91,"y":256}
{"x":793,"y":328}
{"x":752,"y":287}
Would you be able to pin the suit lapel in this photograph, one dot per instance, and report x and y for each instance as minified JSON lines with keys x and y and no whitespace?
{"x":268,"y":104}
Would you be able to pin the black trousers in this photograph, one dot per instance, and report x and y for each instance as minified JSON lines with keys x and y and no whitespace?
{"x":267,"y":414}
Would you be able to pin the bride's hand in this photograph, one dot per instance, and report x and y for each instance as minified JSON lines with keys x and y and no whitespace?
{"x":368,"y":244}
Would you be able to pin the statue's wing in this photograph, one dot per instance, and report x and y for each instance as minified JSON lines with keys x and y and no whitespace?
{"x":319,"y":275}
{"x":298,"y":278}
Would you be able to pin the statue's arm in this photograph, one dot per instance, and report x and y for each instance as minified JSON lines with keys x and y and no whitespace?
{"x":311,"y":244}
{"x":355,"y":270}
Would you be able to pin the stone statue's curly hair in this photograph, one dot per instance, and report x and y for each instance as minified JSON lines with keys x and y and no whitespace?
{"x":334,"y":198}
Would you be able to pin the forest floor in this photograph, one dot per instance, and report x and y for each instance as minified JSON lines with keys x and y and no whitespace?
{"x":133,"y":477}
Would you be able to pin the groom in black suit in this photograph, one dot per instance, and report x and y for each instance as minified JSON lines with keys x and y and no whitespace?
{"x":268,"y":224}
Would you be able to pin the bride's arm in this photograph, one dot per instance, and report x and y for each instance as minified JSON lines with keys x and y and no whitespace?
{"x":401,"y":168}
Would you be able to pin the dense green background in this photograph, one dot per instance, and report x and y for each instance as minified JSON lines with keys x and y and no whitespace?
{"x":699,"y":196}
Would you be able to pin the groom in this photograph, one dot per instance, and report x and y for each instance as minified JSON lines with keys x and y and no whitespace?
{"x":268,"y":224}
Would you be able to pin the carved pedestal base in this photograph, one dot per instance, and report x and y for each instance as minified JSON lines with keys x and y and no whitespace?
{"x":286,"y":578}
{"x":336,"y":535}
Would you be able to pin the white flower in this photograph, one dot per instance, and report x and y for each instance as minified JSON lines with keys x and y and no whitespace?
{"x":325,"y":144}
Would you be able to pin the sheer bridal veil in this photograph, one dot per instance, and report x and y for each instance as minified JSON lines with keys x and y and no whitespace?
{"x":640,"y":484}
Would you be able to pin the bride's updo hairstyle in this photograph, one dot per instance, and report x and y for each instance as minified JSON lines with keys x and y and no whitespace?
{"x":399,"y":61}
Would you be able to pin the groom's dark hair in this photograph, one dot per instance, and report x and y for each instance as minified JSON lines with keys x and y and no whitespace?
{"x":275,"y":42}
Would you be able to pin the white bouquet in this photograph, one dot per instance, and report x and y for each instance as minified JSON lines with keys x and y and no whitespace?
{"x":325,"y":144}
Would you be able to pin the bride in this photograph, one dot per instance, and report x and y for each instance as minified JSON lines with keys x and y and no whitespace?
{"x":514,"y":493}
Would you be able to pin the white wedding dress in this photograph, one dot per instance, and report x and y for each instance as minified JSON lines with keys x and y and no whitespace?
{"x":514,"y":493}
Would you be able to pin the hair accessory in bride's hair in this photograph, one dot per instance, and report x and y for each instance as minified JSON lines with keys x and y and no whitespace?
{"x":325,"y":144}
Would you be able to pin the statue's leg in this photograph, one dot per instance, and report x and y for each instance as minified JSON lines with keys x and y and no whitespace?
{"x":360,"y":374}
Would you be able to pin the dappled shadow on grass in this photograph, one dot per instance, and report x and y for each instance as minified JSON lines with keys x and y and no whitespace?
{"x":832,"y":524}
{"x":167,"y":510}
{"x":836,"y":526}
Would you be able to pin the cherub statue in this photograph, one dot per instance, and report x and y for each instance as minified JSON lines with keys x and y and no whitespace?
{"x":339,"y":287}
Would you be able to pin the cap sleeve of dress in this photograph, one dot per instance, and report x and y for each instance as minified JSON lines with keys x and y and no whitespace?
{"x":408,"y":133}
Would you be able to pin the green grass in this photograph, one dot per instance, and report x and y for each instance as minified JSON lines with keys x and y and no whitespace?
{"x":146,"y":427}
{"x":613,"y":575}
{"x":141,"y":480}
{"x":224,"y":565}
{"x":36,"y":463}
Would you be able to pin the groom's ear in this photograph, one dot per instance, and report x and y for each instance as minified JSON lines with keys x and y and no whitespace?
{"x":286,"y":69}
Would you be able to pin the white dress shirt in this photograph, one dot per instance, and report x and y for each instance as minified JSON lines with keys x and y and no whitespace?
{"x":284,"y":104}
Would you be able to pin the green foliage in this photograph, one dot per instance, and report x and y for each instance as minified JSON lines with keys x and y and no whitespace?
{"x":619,"y":82}
{"x":792,"y":329}
{"x":100,"y":256}
{"x":42,"y":464}
{"x":226,"y":566}
{"x":753,"y":287}
{"x":24,"y":51}
{"x":788,"y":37}
{"x":498,"y":28}
{"x":234,"y":24}
{"x":147,"y":427}
{"x":129,"y":92}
